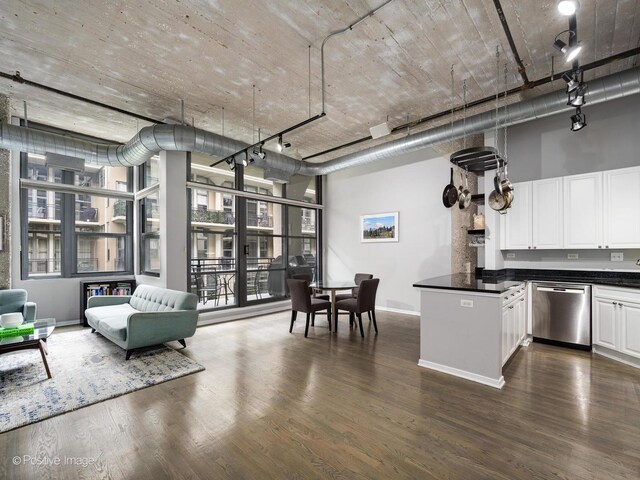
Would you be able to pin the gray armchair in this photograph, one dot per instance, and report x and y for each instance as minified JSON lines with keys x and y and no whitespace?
{"x":15,"y":300}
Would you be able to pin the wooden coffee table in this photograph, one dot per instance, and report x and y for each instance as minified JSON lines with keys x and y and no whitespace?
{"x":42,"y":329}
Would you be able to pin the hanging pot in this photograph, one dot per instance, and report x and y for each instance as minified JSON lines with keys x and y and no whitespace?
{"x":497,"y":180}
{"x":450,"y":193}
{"x":497,"y":201}
{"x":505,"y":183}
{"x":464,"y":198}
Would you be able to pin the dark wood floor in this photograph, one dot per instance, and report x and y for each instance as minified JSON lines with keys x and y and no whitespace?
{"x":276,"y":405}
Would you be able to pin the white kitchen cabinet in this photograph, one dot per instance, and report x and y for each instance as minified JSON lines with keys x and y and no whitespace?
{"x":616,"y":319}
{"x":621,"y":194}
{"x":582,"y":198}
{"x":507,"y":324}
{"x":547,"y":214}
{"x":629,"y":314}
{"x":605,"y":323}
{"x":518,"y":219}
{"x":514,"y":322}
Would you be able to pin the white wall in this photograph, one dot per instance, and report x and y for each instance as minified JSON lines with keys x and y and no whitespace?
{"x":410,"y":184}
{"x":546,"y":148}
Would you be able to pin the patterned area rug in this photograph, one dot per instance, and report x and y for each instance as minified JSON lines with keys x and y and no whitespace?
{"x":86,"y":369}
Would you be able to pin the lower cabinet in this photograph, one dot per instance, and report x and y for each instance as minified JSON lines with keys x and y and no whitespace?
{"x":616,"y":320}
{"x":514,"y":326}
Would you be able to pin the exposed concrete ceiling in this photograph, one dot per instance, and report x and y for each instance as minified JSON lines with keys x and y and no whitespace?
{"x":145,"y":56}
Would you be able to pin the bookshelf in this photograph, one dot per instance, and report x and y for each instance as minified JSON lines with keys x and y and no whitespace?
{"x":124,"y":286}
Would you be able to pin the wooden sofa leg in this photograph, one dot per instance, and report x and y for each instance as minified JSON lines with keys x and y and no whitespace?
{"x":93,"y":330}
{"x":128,"y":355}
{"x":183,"y":343}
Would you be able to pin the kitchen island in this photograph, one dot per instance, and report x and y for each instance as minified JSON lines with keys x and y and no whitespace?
{"x":470,"y":327}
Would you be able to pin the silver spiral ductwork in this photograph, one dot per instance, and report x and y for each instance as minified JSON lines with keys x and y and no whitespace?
{"x":151,"y":140}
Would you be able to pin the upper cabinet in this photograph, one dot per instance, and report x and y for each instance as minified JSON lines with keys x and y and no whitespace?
{"x":583,"y":211}
{"x":535,"y":217}
{"x":589,"y":211}
{"x":621,"y":213}
{"x":547,"y":213}
{"x":518,"y":220}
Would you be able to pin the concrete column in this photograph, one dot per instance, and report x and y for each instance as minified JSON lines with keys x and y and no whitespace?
{"x":5,"y":202}
{"x":464,"y":258}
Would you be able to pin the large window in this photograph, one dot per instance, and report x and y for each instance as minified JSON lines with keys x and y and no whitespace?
{"x":150,"y":234}
{"x":75,"y":233}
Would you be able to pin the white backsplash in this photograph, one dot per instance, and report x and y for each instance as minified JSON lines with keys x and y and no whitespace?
{"x":587,"y":259}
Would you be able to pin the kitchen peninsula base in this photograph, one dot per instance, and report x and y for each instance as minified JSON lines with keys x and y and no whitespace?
{"x":471,"y":334}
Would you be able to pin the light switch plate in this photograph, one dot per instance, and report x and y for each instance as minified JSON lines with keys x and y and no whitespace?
{"x":617,"y":257}
{"x":511,"y":255}
{"x":466,"y":303}
{"x":572,"y":256}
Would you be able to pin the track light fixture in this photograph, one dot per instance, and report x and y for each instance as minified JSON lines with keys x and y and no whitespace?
{"x":259,"y":152}
{"x":245,"y":160}
{"x":570,"y":52}
{"x":282,"y":145}
{"x":567,"y":7}
{"x":572,"y":82}
{"x":577,"y":98}
{"x":231,"y":161}
{"x":578,"y":121}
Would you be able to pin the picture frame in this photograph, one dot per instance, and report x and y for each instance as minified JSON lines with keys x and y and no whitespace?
{"x":379,"y":228}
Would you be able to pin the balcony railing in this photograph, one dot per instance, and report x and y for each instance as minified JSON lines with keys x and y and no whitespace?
{"x":44,"y":266}
{"x":212,"y":216}
{"x":44,"y":212}
{"x":265,"y":221}
{"x":120,"y":208}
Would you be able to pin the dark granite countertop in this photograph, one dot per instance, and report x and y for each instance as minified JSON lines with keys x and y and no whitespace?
{"x":469,"y":283}
{"x":500,"y":281}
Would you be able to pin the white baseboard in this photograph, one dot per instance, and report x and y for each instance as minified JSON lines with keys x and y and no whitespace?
{"x":397,"y":310}
{"x":617,"y":356}
{"x":474,"y":377}
{"x":210,"y":318}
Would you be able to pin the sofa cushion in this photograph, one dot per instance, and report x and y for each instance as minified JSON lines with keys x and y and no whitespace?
{"x":97,"y":315}
{"x":115,"y":327}
{"x":147,"y":298}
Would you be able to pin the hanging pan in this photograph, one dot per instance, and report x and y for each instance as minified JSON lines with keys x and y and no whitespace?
{"x":450,"y":193}
{"x":464,"y":198}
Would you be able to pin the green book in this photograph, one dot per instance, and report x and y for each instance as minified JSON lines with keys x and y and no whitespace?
{"x":20,"y":330}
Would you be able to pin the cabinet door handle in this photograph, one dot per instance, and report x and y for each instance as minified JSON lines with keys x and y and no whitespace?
{"x":522,"y":299}
{"x":615,"y":303}
{"x":599,"y":246}
{"x":535,"y":247}
{"x":511,"y":307}
{"x":606,"y":246}
{"x":621,"y":304}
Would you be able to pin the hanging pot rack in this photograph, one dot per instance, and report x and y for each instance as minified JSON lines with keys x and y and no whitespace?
{"x":478,"y":159}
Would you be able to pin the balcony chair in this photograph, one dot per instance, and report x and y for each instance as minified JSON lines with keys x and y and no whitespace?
{"x":365,"y":302}
{"x":301,"y":301}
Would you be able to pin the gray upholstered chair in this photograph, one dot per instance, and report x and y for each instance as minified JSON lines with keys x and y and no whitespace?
{"x":14,"y":301}
{"x":301,"y":301}
{"x":365,"y":302}
{"x":357,"y":279}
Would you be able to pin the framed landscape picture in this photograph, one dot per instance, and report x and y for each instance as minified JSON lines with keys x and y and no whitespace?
{"x":379,"y":227}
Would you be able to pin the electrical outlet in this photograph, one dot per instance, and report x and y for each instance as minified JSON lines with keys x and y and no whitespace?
{"x":638,"y":262}
{"x":511,"y":255}
{"x":617,"y":257}
{"x":572,"y":256}
{"x":466,"y":303}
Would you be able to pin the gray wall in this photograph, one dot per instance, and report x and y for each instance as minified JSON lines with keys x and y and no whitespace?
{"x":411,"y":185}
{"x":546,"y":148}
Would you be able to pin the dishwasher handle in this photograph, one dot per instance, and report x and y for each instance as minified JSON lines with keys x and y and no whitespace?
{"x":580,"y":291}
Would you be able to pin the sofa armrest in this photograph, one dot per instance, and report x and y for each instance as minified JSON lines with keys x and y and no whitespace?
{"x":106,"y":300}
{"x":149,"y":328}
{"x":29,"y":311}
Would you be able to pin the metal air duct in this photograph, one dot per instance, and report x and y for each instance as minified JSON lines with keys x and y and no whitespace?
{"x":151,"y":140}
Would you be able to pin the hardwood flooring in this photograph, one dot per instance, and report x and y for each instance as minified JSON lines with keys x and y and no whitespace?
{"x":276,"y":405}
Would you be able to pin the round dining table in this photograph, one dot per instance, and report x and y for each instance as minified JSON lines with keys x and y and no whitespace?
{"x":332,"y":286}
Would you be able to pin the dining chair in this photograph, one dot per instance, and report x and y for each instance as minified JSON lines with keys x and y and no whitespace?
{"x":301,"y":301}
{"x":365,"y":302}
{"x":357,"y":279}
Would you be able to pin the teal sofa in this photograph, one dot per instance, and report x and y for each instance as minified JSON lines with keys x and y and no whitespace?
{"x":152,"y":315}
{"x":15,"y":300}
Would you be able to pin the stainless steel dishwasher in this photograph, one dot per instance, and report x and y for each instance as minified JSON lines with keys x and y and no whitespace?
{"x":562,"y":314}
